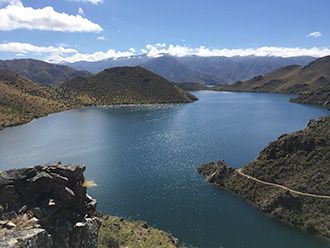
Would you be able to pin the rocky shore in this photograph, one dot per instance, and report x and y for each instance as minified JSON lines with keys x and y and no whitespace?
{"x":320,"y":97}
{"x":299,"y":161}
{"x":48,"y":206}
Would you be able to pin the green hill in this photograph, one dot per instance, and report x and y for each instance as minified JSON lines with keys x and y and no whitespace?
{"x":123,"y":85}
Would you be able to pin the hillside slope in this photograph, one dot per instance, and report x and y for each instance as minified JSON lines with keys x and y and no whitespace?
{"x":41,"y":72}
{"x":299,"y":161}
{"x":123,"y":85}
{"x":22,"y":100}
{"x":310,"y":81}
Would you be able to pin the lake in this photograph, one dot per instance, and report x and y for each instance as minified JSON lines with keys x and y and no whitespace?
{"x":144,"y":160}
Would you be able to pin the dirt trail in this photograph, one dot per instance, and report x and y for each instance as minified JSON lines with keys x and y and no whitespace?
{"x":239,"y":171}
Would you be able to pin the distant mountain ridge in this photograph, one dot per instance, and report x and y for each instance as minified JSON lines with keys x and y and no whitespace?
{"x":208,"y":70}
{"x":41,"y":72}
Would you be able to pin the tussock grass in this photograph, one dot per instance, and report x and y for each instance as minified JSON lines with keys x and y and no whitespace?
{"x":88,"y":184}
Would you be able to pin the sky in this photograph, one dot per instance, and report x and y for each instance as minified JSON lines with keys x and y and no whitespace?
{"x":73,"y":30}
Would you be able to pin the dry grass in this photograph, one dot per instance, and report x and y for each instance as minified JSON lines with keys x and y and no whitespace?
{"x":88,"y":184}
{"x":24,"y":221}
{"x":116,"y":232}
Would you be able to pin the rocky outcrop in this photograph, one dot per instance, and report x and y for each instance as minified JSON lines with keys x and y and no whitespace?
{"x":301,"y":163}
{"x":319,"y":96}
{"x":47,"y":206}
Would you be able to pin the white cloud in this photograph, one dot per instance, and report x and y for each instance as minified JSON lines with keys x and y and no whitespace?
{"x":96,"y":56}
{"x":180,"y":51}
{"x":96,"y":2}
{"x":314,"y":34}
{"x":16,"y":16}
{"x":27,"y":48}
{"x":80,"y":11}
{"x":101,"y":38}
{"x":63,"y":53}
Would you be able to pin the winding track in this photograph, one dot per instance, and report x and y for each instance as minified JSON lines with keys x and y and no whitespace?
{"x":239,"y":171}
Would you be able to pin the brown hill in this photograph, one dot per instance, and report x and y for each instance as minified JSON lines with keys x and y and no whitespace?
{"x":123,"y":85}
{"x":21,"y":100}
{"x":41,"y":72}
{"x":310,"y":81}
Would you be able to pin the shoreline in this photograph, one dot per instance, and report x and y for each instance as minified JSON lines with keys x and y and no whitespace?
{"x":99,"y":106}
{"x":291,"y":100}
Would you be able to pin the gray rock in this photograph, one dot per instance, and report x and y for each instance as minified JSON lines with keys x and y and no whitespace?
{"x":31,"y":238}
{"x":53,"y":195}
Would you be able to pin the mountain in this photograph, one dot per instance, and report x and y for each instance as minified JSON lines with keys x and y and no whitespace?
{"x":173,"y":69}
{"x":290,"y":179}
{"x":22,"y":100}
{"x":41,"y":72}
{"x":312,"y":82}
{"x":288,"y":79}
{"x":232,"y":69}
{"x":123,"y":85}
{"x":208,"y":70}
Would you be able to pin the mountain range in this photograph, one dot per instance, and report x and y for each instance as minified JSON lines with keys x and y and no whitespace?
{"x":205,"y":70}
{"x":208,"y":70}
{"x":41,"y":72}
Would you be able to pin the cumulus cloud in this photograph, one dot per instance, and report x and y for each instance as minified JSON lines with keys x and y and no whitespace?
{"x":314,"y":34}
{"x":95,"y":2}
{"x":62,"y":53}
{"x":24,"y":48}
{"x":16,"y":16}
{"x":96,"y":56}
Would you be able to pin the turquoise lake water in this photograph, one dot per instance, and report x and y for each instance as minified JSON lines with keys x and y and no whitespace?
{"x":144,"y":160}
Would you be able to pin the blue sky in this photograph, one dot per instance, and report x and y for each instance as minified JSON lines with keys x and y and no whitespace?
{"x":109,"y":28}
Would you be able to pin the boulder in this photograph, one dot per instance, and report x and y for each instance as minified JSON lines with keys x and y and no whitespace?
{"x":54,"y":196}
